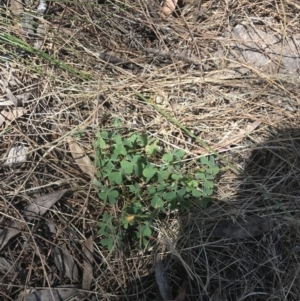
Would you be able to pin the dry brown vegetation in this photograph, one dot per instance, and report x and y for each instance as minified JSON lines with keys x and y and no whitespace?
{"x":201,"y":66}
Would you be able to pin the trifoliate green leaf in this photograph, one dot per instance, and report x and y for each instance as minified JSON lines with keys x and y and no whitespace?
{"x":169,"y":196}
{"x":157,"y":202}
{"x":115,"y":177}
{"x":112,"y":196}
{"x":168,"y":158}
{"x":107,"y":242}
{"x":204,"y":160}
{"x":127,"y":167}
{"x":147,"y":231}
{"x":149,"y":172}
{"x":179,"y":154}
{"x":196,"y":193}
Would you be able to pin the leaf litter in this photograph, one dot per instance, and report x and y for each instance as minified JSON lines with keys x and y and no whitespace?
{"x":88,"y":267}
{"x":54,"y":294}
{"x":211,"y":95}
{"x":30,"y":211}
{"x":80,"y":157}
{"x":65,"y":263}
{"x":9,"y":115}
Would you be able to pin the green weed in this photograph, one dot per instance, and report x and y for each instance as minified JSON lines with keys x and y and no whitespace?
{"x":135,"y":177}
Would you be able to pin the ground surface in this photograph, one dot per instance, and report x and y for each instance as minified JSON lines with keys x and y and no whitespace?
{"x":225,"y":70}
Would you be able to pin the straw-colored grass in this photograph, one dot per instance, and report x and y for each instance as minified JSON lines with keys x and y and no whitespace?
{"x":181,"y":60}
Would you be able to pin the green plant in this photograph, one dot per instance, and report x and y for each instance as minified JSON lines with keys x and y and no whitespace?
{"x":134,"y":177}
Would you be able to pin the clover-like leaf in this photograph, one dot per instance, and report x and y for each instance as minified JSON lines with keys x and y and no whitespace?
{"x":211,"y":160}
{"x":162,"y":175}
{"x":213,"y":170}
{"x":189,"y":189}
{"x":112,"y":196}
{"x":146,"y":231}
{"x":136,"y":189}
{"x":204,"y":160}
{"x":152,"y":190}
{"x":173,"y":204}
{"x":208,"y":184}
{"x":196,"y":193}
{"x":181,"y":193}
{"x":192,"y":183}
{"x":150,"y":149}
{"x":100,"y":143}
{"x":132,"y":138}
{"x":108,"y":243}
{"x":185,"y":203}
{"x":120,"y":150}
{"x":102,"y":196}
{"x":142,"y":139}
{"x":149,"y":173}
{"x":179,"y":154}
{"x":209,"y":177}
{"x":103,"y":229}
{"x":169,"y":196}
{"x":106,"y":217}
{"x":115,"y":177}
{"x":109,"y":166}
{"x":127,"y":167}
{"x":157,"y":202}
{"x":117,"y":123}
{"x":207,"y":189}
{"x":161,"y":187}
{"x":168,"y":158}
{"x":105,"y":135}
{"x":175,"y":176}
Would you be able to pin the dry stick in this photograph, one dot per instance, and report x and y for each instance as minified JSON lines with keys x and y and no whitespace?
{"x":189,"y":60}
{"x":109,"y":58}
{"x":157,"y":25}
{"x":194,"y":42}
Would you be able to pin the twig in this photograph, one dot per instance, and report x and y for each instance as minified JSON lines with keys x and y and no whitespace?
{"x":189,"y":60}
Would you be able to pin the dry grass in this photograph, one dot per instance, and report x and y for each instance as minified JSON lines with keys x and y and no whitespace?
{"x":191,"y":73}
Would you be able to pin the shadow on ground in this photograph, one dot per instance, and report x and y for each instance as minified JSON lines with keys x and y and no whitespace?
{"x":246,"y":248}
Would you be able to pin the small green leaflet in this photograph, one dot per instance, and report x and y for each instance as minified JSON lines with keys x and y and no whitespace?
{"x":142,"y":139}
{"x":117,"y":123}
{"x":127,"y":167}
{"x":100,"y":143}
{"x":168,"y":158}
{"x":115,"y":177}
{"x":112,"y":197}
{"x":196,"y":193}
{"x":169,"y":196}
{"x":179,"y":154}
{"x":213,"y":170}
{"x":107,"y":242}
{"x":120,"y":150}
{"x":162,"y":175}
{"x":157,"y":202}
{"x":150,"y":149}
{"x":204,"y":160}
{"x":149,"y":172}
{"x":147,"y":231}
{"x":109,"y":195}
